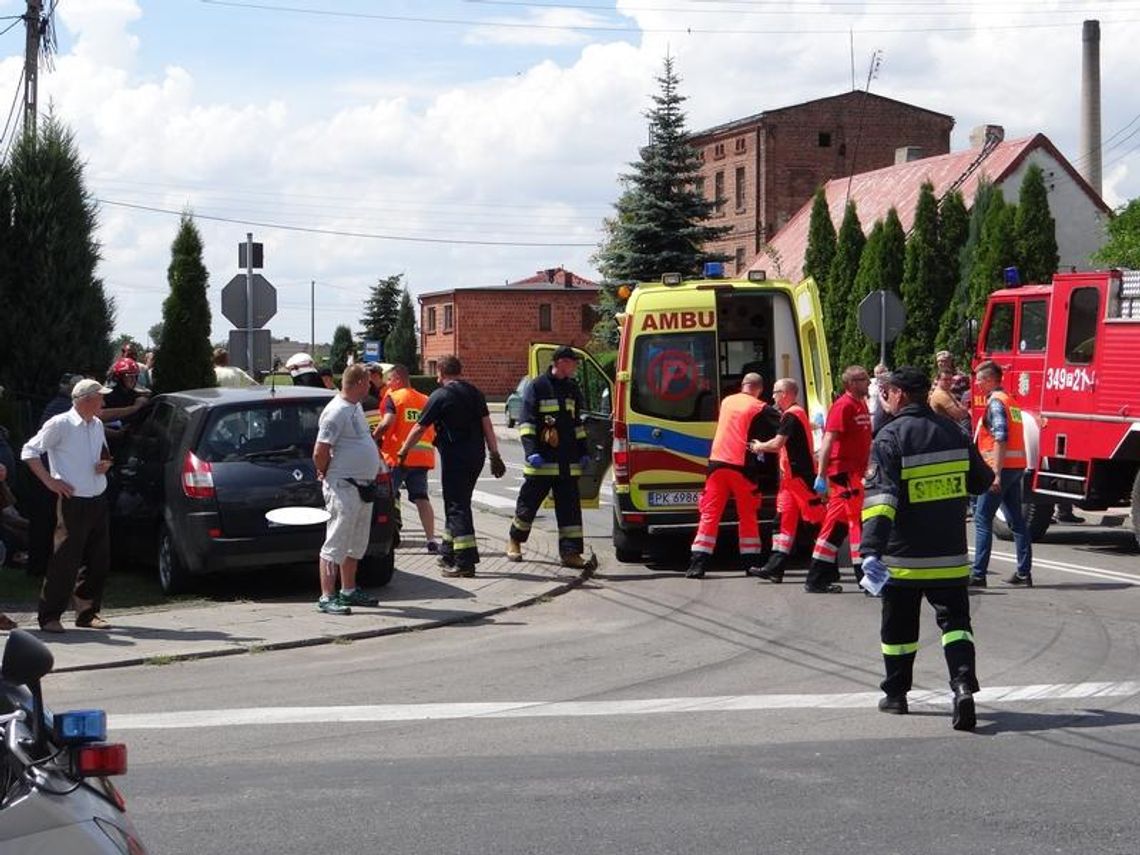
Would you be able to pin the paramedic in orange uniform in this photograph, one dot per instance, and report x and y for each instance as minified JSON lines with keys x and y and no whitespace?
{"x":733,"y":472}
{"x":843,"y":457}
{"x":797,"y":498}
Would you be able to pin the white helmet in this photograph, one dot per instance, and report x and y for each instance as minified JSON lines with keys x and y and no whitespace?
{"x":300,"y":363}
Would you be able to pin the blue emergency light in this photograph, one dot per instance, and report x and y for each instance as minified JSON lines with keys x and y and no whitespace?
{"x":78,"y":726}
{"x":1011,"y":276}
{"x":714,"y":270}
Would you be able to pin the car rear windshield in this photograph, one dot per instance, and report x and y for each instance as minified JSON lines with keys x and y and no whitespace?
{"x":675,"y":376}
{"x":282,"y":428}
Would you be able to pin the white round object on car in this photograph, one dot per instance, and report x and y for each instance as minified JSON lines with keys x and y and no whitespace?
{"x":298,"y":516}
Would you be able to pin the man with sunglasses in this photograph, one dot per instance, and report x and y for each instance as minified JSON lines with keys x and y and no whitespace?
{"x":914,"y":537}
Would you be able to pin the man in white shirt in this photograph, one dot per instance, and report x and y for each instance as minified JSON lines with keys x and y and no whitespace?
{"x":76,"y":474}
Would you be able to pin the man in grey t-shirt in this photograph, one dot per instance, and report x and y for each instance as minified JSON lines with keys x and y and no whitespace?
{"x":345,"y":453}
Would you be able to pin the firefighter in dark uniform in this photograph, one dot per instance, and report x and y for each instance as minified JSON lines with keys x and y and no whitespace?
{"x":914,"y":534}
{"x":458,"y":412}
{"x":556,"y":451}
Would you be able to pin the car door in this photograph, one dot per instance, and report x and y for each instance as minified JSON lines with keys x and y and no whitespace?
{"x":597,"y":417}
{"x":136,"y":478}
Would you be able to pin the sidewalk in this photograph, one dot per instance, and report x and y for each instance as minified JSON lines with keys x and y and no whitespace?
{"x":418,"y":597}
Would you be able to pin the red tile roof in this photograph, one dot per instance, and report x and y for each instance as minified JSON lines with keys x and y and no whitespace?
{"x":875,"y":192}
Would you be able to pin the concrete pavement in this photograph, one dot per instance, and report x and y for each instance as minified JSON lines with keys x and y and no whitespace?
{"x":418,"y":597}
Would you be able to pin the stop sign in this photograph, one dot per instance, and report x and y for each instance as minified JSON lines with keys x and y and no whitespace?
{"x":234,"y":301}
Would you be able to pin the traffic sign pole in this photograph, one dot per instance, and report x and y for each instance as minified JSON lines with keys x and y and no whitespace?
{"x":249,"y":298}
{"x":882,"y":326}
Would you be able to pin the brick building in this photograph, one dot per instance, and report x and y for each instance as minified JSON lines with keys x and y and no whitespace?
{"x":491,"y":328}
{"x":764,"y":167}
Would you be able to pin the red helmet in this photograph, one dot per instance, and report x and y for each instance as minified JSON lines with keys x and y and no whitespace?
{"x":125,"y":365}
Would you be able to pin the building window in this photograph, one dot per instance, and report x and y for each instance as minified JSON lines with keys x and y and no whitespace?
{"x":589,"y":318}
{"x":824,"y":139}
{"x":718,"y":150}
{"x":741,"y":145}
{"x":431,"y":319}
{"x":740,"y":202}
{"x":448,"y":317}
{"x":699,"y":187}
{"x":739,"y":259}
{"x":431,"y":367}
{"x":718,"y":191}
{"x":544,"y":323}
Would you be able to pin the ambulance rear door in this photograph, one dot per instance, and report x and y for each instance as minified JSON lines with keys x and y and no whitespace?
{"x":597,"y":417}
{"x":813,"y":347}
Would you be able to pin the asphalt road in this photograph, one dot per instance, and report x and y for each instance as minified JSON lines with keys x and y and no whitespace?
{"x":649,"y":713}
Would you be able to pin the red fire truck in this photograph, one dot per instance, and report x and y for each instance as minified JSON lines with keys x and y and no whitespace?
{"x":1070,"y":353}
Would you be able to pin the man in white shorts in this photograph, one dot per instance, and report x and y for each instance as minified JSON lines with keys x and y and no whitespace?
{"x":345,"y":455}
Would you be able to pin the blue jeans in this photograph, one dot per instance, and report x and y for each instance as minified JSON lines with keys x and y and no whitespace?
{"x":1009,"y":499}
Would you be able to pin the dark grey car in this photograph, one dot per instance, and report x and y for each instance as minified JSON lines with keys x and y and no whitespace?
{"x":192,"y":482}
{"x":513,"y":405}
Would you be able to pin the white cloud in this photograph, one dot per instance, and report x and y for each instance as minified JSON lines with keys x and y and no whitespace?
{"x":530,"y":156}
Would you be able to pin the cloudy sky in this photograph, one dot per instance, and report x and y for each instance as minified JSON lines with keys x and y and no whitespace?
{"x":469,"y":142}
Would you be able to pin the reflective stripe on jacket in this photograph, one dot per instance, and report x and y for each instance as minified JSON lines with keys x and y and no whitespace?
{"x":914,"y":512}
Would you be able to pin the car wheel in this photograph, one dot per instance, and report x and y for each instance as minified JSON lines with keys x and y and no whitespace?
{"x":1038,"y":516}
{"x":375,"y":571}
{"x":510,"y":420}
{"x":1136,"y":508}
{"x":172,"y":575}
{"x":628,"y":547}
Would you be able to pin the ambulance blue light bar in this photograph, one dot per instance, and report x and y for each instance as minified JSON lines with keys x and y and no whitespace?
{"x":714,"y":270}
{"x":1012,"y":277}
{"x":77,"y":726}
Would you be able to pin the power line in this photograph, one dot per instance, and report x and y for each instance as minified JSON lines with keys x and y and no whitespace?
{"x":607,"y":28}
{"x":857,"y":8}
{"x":8,"y":121}
{"x":339,"y":233}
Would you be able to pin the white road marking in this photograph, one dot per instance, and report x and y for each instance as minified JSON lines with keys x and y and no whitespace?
{"x":491,"y":499}
{"x":260,"y":716}
{"x":1078,"y":569}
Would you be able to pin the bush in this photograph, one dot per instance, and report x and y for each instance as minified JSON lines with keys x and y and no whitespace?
{"x":607,"y":359}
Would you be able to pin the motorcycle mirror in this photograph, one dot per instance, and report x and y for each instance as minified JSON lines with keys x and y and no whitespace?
{"x":26,"y":659}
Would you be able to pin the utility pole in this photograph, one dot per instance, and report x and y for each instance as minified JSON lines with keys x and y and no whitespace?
{"x":313,"y":317}
{"x":33,"y":23}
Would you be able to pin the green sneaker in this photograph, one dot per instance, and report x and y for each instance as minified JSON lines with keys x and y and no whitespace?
{"x":357,"y":598}
{"x":333,"y":607}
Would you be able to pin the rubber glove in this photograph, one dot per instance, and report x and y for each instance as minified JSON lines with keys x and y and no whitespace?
{"x":820,"y":484}
{"x":536,"y":460}
{"x":875,"y":575}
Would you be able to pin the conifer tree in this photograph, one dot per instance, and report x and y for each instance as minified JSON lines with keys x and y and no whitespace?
{"x":997,"y":250}
{"x":923,"y":277}
{"x":952,"y":329}
{"x":882,"y":270}
{"x":342,"y":345}
{"x":953,"y":230}
{"x":185,"y":360}
{"x":821,"y":241}
{"x":382,"y":308}
{"x":400,"y":345}
{"x":1035,"y":230}
{"x":51,"y":301}
{"x":841,"y":280}
{"x":660,"y":221}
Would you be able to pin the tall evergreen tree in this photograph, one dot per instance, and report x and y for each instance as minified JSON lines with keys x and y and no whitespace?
{"x":951,"y":330}
{"x":51,"y":301}
{"x":660,"y":223}
{"x":1035,"y":230}
{"x":923,"y":278}
{"x":400,"y":345}
{"x":1122,"y":249}
{"x":821,"y":241}
{"x":997,"y":250}
{"x":841,"y":280}
{"x":382,"y":308}
{"x":880,"y":267}
{"x":184,"y":360}
{"x":342,"y":345}
{"x":953,"y":230}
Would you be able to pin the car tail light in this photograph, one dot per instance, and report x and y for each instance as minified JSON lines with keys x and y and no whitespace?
{"x":197,"y":477}
{"x":97,"y":761}
{"x":621,"y":453}
{"x":634,"y":518}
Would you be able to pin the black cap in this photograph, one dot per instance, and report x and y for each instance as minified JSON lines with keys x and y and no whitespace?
{"x":910,"y":380}
{"x":565,"y":352}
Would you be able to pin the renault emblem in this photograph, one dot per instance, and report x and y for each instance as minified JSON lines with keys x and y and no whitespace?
{"x":298,"y":475}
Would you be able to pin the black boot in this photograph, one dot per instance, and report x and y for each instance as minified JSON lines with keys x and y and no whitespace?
{"x":696,"y":567}
{"x":965,"y":717}
{"x":773,"y":571}
{"x":894,"y":704}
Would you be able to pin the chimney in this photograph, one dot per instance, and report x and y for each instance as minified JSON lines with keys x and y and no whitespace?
{"x":907,"y":153}
{"x":1089,"y":155}
{"x":981,"y":134}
